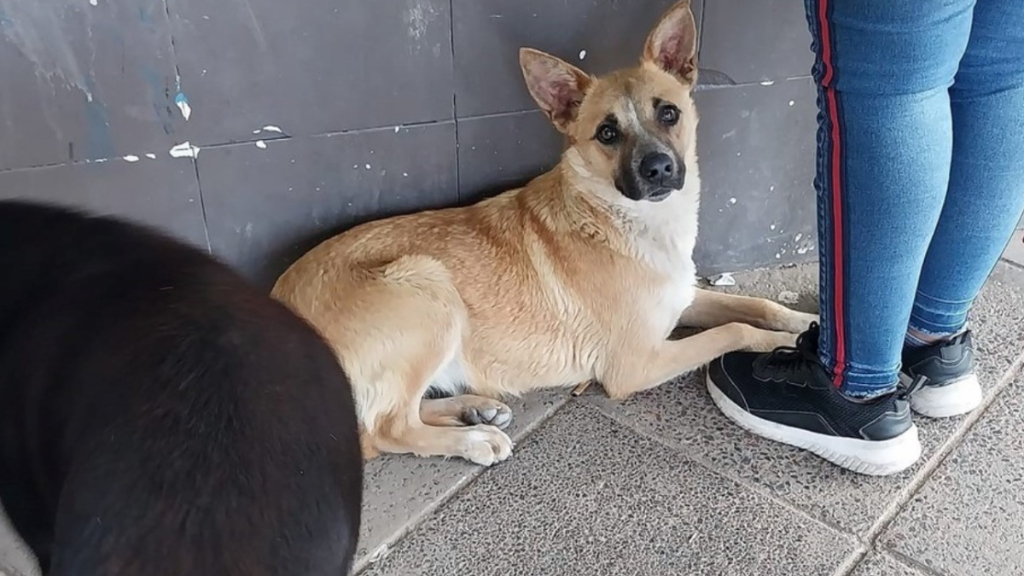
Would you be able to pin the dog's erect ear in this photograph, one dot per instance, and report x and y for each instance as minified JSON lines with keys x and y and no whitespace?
{"x":672,"y":44}
{"x":557,"y":86}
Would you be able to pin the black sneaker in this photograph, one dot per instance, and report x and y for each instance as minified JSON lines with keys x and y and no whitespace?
{"x":787,"y":396}
{"x":952,"y":387}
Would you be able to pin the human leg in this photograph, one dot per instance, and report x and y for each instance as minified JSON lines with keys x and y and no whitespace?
{"x":984,"y":202}
{"x":885,"y":142}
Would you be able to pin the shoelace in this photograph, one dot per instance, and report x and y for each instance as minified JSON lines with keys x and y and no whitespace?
{"x":788,"y":360}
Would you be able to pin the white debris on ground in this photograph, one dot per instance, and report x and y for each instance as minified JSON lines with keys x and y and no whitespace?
{"x":723,"y":280}
{"x":788,"y":297}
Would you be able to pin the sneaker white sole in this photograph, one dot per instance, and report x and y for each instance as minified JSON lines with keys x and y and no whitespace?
{"x":954,"y":399}
{"x":873,"y":458}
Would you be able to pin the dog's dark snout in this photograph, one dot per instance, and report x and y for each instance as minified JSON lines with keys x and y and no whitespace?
{"x":657,"y":168}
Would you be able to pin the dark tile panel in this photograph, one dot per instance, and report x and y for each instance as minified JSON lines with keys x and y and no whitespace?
{"x":501,"y":152}
{"x":84,"y":82}
{"x":756,"y":41}
{"x":596,"y":35}
{"x":266,"y":206}
{"x":162,"y":192}
{"x":756,"y":146}
{"x":311,"y":67}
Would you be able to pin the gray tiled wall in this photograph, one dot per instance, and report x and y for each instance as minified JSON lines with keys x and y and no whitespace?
{"x":383,"y":107}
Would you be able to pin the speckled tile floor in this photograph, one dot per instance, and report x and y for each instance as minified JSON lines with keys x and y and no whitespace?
{"x":662,"y":484}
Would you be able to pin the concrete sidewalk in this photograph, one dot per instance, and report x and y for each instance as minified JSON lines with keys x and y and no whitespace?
{"x":663,"y":484}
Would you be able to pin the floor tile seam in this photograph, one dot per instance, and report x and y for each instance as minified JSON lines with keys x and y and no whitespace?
{"x":687,"y":454}
{"x":910,"y":562}
{"x":948,"y":447}
{"x":410,"y":526}
{"x":856,"y":558}
{"x":1012,"y":264}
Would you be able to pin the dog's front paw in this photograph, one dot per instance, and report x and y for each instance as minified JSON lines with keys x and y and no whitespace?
{"x":487,"y":411}
{"x":486,"y":445}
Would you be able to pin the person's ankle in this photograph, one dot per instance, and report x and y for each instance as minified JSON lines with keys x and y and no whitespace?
{"x":917,"y":339}
{"x":860,"y":395}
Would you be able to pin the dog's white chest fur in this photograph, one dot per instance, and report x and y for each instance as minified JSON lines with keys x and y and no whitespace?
{"x":664,"y":235}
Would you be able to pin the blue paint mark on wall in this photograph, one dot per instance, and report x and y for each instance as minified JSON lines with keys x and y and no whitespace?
{"x":98,"y":141}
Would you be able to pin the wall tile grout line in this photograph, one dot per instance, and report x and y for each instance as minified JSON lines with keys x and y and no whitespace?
{"x":455,"y":103}
{"x":177,"y":87}
{"x":904,"y":497}
{"x":202,"y":206}
{"x":700,"y":31}
{"x":368,"y":129}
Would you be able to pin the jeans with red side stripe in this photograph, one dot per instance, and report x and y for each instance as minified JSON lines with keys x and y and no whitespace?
{"x":920,"y":170}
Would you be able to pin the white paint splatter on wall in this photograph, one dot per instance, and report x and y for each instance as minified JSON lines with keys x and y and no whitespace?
{"x":418,"y":17}
{"x":184,"y":150}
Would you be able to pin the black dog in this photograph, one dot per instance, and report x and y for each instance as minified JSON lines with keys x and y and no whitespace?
{"x":159,"y":416}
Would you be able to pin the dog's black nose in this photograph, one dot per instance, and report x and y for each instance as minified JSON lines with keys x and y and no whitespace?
{"x":657,"y":168}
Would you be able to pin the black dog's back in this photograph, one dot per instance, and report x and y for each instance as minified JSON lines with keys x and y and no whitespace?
{"x":158,"y":416}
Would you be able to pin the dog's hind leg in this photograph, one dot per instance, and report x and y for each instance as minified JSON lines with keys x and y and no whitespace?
{"x":465,"y":410}
{"x":407,"y":323}
{"x":710,"y":309}
{"x":439,"y":427}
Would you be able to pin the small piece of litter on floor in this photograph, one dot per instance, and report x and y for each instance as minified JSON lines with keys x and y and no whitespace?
{"x":379,"y":554}
{"x":151,"y":156}
{"x":583,"y":54}
{"x":581,"y":388}
{"x":131,"y":158}
{"x":261,"y":144}
{"x":788,"y":297}
{"x":723,"y":280}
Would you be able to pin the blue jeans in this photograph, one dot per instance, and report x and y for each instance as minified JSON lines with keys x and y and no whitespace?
{"x":920,"y":170}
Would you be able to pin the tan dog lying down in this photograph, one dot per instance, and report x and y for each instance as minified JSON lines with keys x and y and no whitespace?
{"x":581,"y":274}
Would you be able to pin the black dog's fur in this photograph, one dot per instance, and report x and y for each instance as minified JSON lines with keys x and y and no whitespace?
{"x":159,"y":416}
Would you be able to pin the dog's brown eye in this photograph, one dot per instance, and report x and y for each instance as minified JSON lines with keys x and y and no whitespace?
{"x":668,"y":115}
{"x":607,"y":134}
